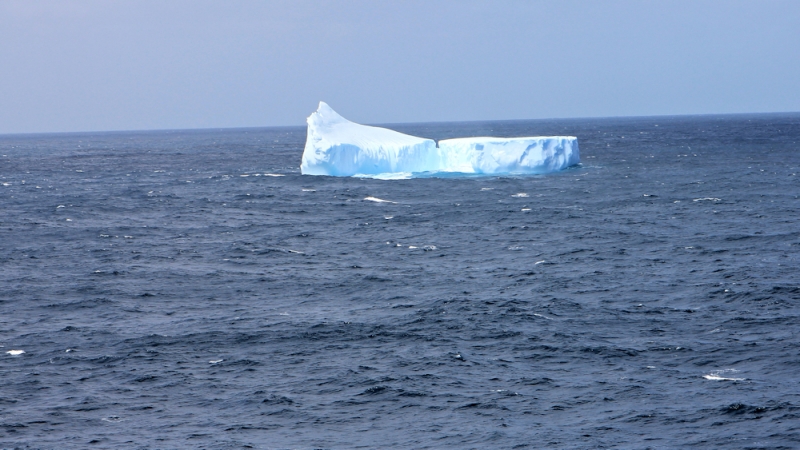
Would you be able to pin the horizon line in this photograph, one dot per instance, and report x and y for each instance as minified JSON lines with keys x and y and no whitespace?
{"x":167,"y":130}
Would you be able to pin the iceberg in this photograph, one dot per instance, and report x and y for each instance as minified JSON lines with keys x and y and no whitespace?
{"x":337,"y":147}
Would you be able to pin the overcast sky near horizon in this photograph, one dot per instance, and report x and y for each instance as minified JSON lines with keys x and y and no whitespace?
{"x":148,"y":64}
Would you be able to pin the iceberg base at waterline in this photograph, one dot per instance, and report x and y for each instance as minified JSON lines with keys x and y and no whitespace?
{"x":337,"y":147}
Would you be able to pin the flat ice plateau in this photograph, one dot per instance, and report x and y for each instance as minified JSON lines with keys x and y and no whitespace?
{"x":490,"y":155}
{"x":337,"y":147}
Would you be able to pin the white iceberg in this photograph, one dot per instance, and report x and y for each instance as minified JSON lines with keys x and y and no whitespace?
{"x":337,"y":147}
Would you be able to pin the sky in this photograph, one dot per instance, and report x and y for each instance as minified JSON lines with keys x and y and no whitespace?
{"x":69,"y":65}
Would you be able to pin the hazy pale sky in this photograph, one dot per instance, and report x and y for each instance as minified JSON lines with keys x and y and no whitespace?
{"x":140,"y":64}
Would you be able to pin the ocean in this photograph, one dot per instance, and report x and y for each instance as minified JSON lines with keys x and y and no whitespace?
{"x":190,"y":289}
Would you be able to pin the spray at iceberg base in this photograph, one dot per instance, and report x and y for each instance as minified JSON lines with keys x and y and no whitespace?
{"x":337,"y":147}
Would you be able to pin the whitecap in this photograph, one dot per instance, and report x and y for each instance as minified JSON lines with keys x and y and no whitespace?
{"x":717,"y":375}
{"x":525,"y":209}
{"x":216,"y":361}
{"x":15,"y":352}
{"x":487,"y":189}
{"x":411,"y":246}
{"x":378,"y":200}
{"x":112,"y":419}
{"x":538,"y":262}
{"x":711,"y":199}
{"x":520,"y":195}
{"x":713,"y":377}
{"x":309,"y":190}
{"x":274,"y":175}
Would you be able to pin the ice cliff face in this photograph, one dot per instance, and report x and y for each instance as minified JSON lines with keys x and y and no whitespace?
{"x":490,"y":155}
{"x":337,"y":147}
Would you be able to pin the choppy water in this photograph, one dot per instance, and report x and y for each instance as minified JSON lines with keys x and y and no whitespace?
{"x":169,"y":290}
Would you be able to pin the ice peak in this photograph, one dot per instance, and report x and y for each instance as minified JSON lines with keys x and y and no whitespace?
{"x":326,"y":109}
{"x":325,"y":115}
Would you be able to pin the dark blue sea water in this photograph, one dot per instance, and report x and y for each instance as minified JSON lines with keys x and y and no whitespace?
{"x":170,"y":291}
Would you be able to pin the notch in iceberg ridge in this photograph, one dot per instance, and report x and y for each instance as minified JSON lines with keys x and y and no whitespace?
{"x":337,"y":147}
